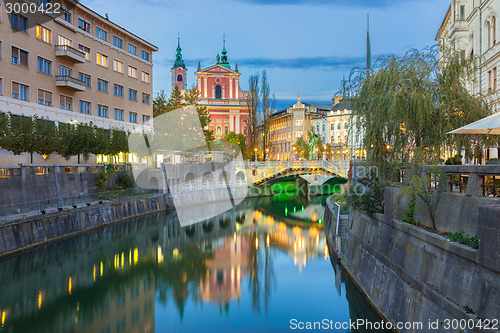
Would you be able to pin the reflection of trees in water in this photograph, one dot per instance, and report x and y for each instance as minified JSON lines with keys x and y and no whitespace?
{"x":181,"y":276}
{"x":261,"y":266}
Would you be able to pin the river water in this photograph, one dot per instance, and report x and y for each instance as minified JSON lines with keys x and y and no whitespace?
{"x":261,"y":267}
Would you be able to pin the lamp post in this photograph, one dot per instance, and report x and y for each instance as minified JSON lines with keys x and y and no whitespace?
{"x":255,"y":154}
{"x":267,"y":151}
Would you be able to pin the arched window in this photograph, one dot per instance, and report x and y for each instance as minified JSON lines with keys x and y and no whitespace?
{"x":218,"y":131}
{"x":218,"y":92}
{"x":179,"y":78}
{"x":493,"y":30}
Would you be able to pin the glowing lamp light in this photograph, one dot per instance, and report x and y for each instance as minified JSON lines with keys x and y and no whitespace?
{"x":320,"y":221}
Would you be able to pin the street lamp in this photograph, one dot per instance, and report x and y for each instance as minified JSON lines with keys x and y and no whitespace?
{"x":255,"y":154}
{"x":267,"y":151}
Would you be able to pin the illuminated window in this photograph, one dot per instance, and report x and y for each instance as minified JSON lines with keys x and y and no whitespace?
{"x":117,"y":66}
{"x":146,"y":77}
{"x":43,"y":33}
{"x":85,"y":50}
{"x":64,"y":41}
{"x":132,"y":72}
{"x":102,"y":60}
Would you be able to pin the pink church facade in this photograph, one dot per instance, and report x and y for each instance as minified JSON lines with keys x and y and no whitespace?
{"x":220,"y":92}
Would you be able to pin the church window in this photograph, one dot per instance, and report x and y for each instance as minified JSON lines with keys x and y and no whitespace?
{"x":179,"y":78}
{"x":218,"y":92}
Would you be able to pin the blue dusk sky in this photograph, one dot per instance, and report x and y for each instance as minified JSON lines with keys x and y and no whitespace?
{"x":305,"y":46}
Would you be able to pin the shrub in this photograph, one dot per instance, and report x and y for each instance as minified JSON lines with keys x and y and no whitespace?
{"x":124,"y":181}
{"x":368,"y":195}
{"x":460,"y":238}
{"x":493,"y":161}
{"x":455,"y":160}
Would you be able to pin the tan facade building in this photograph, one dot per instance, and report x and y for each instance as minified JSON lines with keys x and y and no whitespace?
{"x":77,"y":67}
{"x":286,"y":126}
{"x":470,"y":27}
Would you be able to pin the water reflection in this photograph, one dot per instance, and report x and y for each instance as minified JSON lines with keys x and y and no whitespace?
{"x":150,"y":273}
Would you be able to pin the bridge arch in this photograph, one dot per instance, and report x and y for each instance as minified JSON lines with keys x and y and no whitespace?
{"x":240,"y":176}
{"x":224,"y":177}
{"x":208,"y":177}
{"x":190,"y":179}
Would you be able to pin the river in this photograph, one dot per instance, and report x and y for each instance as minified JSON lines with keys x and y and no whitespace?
{"x":261,"y":267}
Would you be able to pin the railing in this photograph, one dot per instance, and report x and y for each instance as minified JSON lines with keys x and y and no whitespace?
{"x":338,"y":168}
{"x":189,"y":186}
{"x":67,"y":78}
{"x":67,"y":202}
{"x":69,"y":49}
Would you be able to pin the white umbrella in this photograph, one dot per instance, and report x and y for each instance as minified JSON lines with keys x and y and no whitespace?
{"x":488,"y":125}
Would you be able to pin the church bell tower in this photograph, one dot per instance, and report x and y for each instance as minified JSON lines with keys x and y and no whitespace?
{"x":179,"y":71}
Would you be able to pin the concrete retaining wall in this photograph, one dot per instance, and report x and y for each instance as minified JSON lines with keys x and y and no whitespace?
{"x":452,"y":211}
{"x":41,"y":229}
{"x":411,"y":275}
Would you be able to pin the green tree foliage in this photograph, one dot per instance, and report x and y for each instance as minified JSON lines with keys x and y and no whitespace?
{"x":409,"y":103}
{"x":301,"y":148}
{"x":20,"y":134}
{"x":253,"y":106}
{"x":177,"y":100}
{"x":236,"y":139}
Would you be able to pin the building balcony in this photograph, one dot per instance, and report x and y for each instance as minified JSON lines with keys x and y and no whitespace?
{"x":70,"y":82}
{"x":70,"y":53}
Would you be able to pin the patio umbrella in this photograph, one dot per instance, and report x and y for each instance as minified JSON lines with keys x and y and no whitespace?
{"x":488,"y":125}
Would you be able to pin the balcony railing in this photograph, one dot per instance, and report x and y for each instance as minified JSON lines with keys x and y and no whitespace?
{"x":70,"y":82}
{"x":70,"y":53}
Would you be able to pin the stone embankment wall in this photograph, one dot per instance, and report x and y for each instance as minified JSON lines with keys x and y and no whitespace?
{"x":41,"y":229}
{"x":412,"y":275}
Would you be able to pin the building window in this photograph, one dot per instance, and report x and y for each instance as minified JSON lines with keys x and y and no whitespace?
{"x":102,"y":60}
{"x":145,"y":119}
{"x":118,"y":90}
{"x":86,"y":79}
{"x":64,"y":71}
{"x":145,"y":77}
{"x":493,"y":30}
{"x":117,"y":66}
{"x":18,"y":22}
{"x":132,"y":94}
{"x":44,"y":66}
{"x":67,"y":15}
{"x":102,"y":111}
{"x":132,"y":49}
{"x":145,"y":55}
{"x":179,"y":78}
{"x":494,"y":73}
{"x":20,"y":91}
{"x":146,"y":98}
{"x":1,"y":86}
{"x":19,"y":57}
{"x":132,"y":117}
{"x":66,"y":103}
{"x":118,"y":114}
{"x":43,"y":33}
{"x":85,"y":107}
{"x":132,"y":72}
{"x":218,"y":92}
{"x":1,"y":50}
{"x":218,"y":131}
{"x":462,"y":13}
{"x":85,"y":50}
{"x":102,"y":34}
{"x":83,"y":24}
{"x":102,"y":85}
{"x":226,"y":130}
{"x":44,"y":97}
{"x":64,"y":41}
{"x":118,"y":42}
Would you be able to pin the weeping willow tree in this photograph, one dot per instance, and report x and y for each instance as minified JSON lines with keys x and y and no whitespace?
{"x":404,"y":109}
